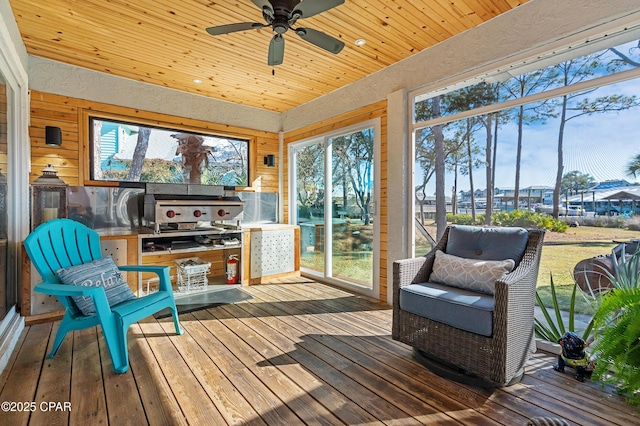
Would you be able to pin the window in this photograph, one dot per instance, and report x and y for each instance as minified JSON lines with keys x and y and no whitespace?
{"x":516,"y":143}
{"x":130,"y":152}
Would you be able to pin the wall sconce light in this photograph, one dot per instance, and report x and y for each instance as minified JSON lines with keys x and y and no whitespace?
{"x":53,"y":136}
{"x":270,"y":160}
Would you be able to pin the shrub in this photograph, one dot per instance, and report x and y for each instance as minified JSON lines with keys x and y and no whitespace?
{"x":634,"y":223}
{"x":522,"y":218}
{"x":464,"y":219}
{"x":608,"y":222}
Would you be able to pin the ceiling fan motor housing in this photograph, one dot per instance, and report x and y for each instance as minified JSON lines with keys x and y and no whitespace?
{"x":282,"y":17}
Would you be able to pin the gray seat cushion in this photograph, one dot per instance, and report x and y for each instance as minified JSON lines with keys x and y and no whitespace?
{"x":474,"y":242}
{"x":463,"y":309}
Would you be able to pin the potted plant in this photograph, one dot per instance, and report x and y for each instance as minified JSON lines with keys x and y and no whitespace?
{"x":617,"y":326}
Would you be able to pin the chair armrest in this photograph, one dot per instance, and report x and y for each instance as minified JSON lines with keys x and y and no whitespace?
{"x":143,"y":268}
{"x":407,"y":271}
{"x":415,"y":270}
{"x":515,"y":292}
{"x":527,"y":270}
{"x":97,"y":294}
{"x":162,"y":272}
{"x":68,"y":290}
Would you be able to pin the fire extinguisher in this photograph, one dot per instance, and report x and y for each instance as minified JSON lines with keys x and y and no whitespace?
{"x":232,"y":269}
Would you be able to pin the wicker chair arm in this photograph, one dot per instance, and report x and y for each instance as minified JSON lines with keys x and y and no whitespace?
{"x":515,"y":293}
{"x":528,"y":267}
{"x":409,"y":271}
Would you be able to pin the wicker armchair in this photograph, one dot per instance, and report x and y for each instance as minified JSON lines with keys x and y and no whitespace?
{"x":498,"y":358}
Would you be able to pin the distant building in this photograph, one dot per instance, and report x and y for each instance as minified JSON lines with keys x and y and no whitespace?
{"x":503,"y":198}
{"x":610,"y":197}
{"x":608,"y":184}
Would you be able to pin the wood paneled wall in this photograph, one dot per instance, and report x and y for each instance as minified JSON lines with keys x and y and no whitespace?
{"x":377,"y":110}
{"x":71,"y":161}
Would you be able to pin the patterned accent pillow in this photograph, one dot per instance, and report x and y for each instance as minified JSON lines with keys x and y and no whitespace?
{"x":469,"y":274}
{"x":100,"y":272}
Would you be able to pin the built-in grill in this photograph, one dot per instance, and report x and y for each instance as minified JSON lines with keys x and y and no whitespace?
{"x":168,"y":208}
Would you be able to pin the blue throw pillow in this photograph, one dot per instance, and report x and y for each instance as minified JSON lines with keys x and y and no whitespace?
{"x":101,"y":272}
{"x":487,"y":243}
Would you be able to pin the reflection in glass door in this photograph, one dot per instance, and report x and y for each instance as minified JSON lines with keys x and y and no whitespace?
{"x":309,"y":187}
{"x":6,"y":297}
{"x":334,"y":188}
{"x":351,"y":195}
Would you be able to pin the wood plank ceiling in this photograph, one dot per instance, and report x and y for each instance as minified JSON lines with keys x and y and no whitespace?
{"x":163,"y":42}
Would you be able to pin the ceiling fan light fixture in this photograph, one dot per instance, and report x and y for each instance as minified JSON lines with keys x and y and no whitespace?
{"x":280,"y":28}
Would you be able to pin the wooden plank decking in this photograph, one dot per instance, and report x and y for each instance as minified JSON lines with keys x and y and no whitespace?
{"x":298,"y":352}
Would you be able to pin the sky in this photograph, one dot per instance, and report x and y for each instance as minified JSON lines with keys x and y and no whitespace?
{"x":600,"y":144}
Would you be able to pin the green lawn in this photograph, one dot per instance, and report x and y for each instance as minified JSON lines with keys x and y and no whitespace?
{"x":559,"y":259}
{"x":560,"y":254}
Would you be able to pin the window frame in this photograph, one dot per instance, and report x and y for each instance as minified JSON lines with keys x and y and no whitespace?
{"x":86,"y":146}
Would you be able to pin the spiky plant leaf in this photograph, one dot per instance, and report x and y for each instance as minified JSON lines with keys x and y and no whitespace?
{"x":617,"y":347}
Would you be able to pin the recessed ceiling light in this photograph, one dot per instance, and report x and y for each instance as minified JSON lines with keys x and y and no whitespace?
{"x":360,"y":42}
{"x":197,"y":80}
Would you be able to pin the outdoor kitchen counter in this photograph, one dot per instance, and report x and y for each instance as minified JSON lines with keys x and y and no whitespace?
{"x":269,"y":250}
{"x":272,"y":251}
{"x":267,"y":226}
{"x":123,"y":231}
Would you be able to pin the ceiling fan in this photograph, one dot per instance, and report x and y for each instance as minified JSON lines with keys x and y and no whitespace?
{"x":281,"y":15}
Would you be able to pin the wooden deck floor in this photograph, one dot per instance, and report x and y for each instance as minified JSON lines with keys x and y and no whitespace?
{"x":296,"y":353}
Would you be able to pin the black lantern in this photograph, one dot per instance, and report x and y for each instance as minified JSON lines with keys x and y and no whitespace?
{"x":48,"y":197}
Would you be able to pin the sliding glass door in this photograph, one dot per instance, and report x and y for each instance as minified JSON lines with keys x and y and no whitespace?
{"x":333,"y":185}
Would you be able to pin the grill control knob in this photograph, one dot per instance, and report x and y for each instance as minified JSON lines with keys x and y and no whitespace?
{"x":197,"y":213}
{"x":221,"y":213}
{"x":171,"y":213}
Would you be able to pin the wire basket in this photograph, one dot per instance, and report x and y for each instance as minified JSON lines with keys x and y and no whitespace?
{"x":192,"y":274}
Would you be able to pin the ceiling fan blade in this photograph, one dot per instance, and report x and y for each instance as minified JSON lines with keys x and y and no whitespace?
{"x":262,"y":3}
{"x":276,"y":50}
{"x":320,"y":39}
{"x":309,"y":8}
{"x":232,"y":28}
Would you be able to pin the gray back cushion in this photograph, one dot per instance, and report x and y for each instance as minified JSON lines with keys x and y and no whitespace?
{"x":474,"y":242}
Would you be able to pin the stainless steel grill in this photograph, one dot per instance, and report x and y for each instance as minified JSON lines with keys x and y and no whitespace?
{"x":191,"y":211}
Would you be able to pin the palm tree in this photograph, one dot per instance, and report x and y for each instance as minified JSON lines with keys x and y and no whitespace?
{"x":633,"y":168}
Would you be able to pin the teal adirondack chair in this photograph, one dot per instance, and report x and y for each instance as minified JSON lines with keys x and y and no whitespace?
{"x":61,"y":243}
